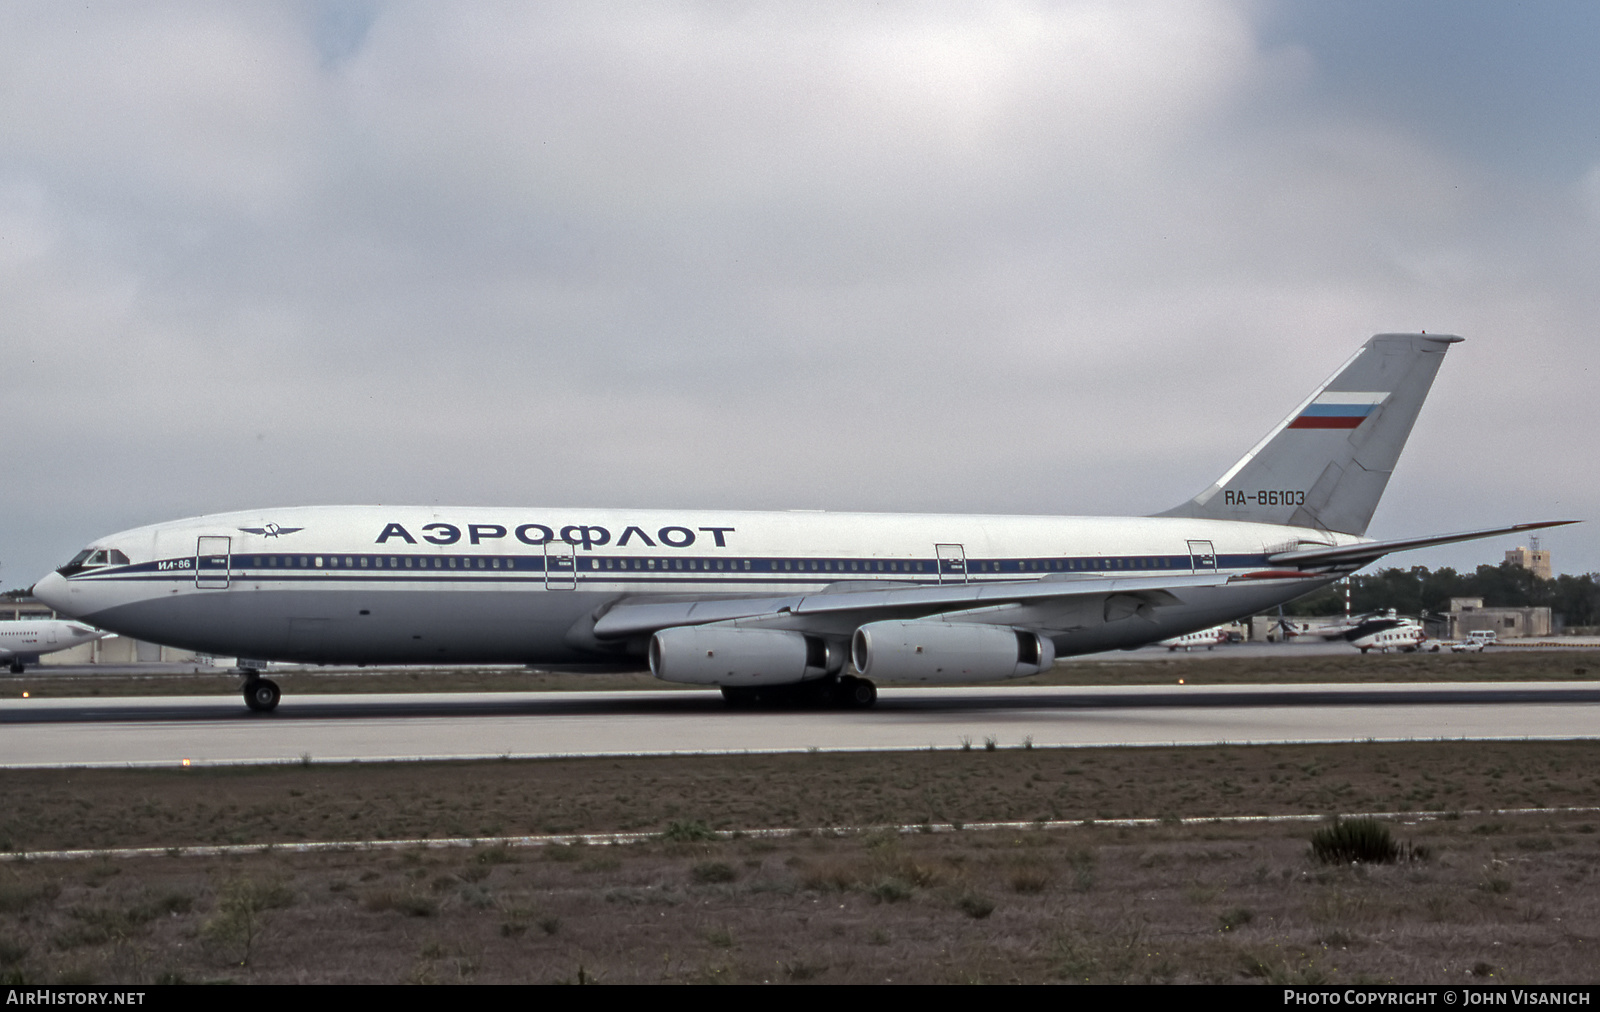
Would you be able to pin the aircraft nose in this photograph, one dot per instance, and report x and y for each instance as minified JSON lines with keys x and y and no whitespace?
{"x":52,"y":590}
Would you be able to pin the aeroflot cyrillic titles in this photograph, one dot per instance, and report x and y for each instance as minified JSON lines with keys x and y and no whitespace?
{"x":770,"y":605}
{"x":589,"y":536}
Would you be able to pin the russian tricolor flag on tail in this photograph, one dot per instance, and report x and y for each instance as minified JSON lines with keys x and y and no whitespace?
{"x":1338,"y":409}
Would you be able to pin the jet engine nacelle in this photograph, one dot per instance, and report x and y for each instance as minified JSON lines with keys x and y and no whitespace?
{"x":724,"y":655}
{"x":948,"y":652}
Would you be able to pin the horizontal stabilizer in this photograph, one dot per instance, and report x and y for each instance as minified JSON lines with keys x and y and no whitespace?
{"x":1356,"y":556}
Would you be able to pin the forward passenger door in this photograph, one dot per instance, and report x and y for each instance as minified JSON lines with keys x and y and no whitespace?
{"x":212,"y":562}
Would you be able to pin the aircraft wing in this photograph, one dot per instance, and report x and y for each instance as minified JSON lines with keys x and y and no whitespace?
{"x":841,"y":607}
{"x":1356,"y":556}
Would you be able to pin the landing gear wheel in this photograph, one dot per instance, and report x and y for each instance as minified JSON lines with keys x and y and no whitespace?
{"x":857,"y":693}
{"x":16,"y":667}
{"x":261,"y":695}
{"x":822,"y":693}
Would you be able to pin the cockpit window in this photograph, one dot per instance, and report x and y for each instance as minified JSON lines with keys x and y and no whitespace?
{"x":91,"y":558}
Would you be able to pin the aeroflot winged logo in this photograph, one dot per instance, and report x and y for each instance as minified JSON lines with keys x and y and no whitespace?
{"x":590,"y":536}
{"x":271,"y":530}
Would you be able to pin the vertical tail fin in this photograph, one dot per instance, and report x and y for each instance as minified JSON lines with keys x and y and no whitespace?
{"x":1327,"y":464}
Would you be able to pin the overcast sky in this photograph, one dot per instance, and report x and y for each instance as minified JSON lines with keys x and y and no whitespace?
{"x":1013,"y":258}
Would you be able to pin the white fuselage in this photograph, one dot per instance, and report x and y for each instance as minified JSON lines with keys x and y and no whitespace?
{"x":1207,"y":638}
{"x":1406,"y":636}
{"x":26,"y":639}
{"x":378,"y":584}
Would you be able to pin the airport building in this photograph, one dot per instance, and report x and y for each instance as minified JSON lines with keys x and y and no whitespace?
{"x":1535,"y":559}
{"x":1467,"y":614}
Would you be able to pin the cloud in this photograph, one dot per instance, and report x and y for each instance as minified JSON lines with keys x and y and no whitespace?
{"x":1023,"y":257}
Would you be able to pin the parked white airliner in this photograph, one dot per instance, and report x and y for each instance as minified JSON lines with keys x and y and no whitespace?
{"x":769,"y":605}
{"x":23,"y":640}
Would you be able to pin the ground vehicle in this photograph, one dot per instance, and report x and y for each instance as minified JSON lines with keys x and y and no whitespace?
{"x":1475,"y":642}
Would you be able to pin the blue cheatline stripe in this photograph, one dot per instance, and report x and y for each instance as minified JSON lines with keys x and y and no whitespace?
{"x":530,"y":570}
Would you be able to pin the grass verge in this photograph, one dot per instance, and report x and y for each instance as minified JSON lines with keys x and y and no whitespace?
{"x":1494,"y":897}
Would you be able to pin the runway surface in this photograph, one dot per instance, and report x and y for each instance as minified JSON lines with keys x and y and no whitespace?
{"x":168,"y":731}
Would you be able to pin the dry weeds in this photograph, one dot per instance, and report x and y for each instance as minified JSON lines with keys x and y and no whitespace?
{"x":1501,"y":898}
{"x":933,"y":908}
{"x":686,"y":796}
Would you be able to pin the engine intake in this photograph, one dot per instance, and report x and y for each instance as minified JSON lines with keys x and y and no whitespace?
{"x":724,"y":655}
{"x":948,"y":652}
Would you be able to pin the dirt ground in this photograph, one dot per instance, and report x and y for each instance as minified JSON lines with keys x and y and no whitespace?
{"x":1493,"y":898}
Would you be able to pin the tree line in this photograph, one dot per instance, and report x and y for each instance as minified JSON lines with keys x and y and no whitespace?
{"x":1574,"y":599}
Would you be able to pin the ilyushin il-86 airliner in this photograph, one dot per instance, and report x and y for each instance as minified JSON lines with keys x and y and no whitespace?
{"x":797,"y":605}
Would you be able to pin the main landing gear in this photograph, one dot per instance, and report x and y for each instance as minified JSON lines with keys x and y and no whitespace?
{"x":846,"y":693}
{"x":260,"y":694}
